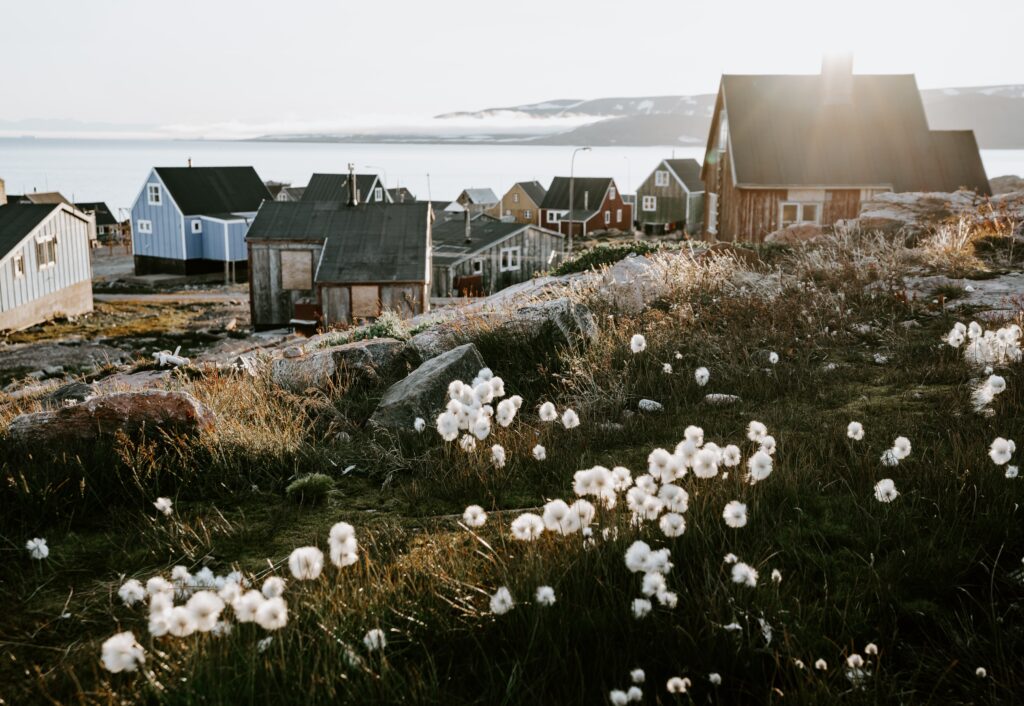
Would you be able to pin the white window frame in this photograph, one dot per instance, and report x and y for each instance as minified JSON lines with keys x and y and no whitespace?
{"x":607,"y":218}
{"x":801,"y":216}
{"x":197,"y":226}
{"x":649,"y":204}
{"x":510,"y":259}
{"x":145,"y":226}
{"x":618,"y":215}
{"x":18,"y":265}
{"x":661,"y":177}
{"x":552,"y":217}
{"x":46,"y":246}
{"x":713,"y":213}
{"x":527,"y":213}
{"x":611,"y":192}
{"x":515,"y":197}
{"x":478,"y":265}
{"x":154,"y":195}
{"x":378,"y":194}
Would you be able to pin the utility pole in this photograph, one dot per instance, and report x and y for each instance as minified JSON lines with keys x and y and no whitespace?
{"x":572,"y":168}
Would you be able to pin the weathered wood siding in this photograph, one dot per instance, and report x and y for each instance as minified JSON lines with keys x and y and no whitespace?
{"x":270,"y":303}
{"x":65,"y":288}
{"x":670,"y":205}
{"x":840,"y":204}
{"x":536,"y":248}
{"x":407,"y":299}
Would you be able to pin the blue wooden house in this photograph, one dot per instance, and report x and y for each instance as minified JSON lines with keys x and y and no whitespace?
{"x":193,"y":220}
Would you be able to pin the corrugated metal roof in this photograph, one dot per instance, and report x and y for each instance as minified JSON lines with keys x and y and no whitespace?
{"x":688,"y":171}
{"x":784,"y":134}
{"x":203,"y":190}
{"x":480,"y":196}
{"x":17,"y":220}
{"x":365,"y":243}
{"x":334,"y":187}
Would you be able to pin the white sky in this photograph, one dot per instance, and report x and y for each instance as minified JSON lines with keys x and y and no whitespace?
{"x":199,"y":62}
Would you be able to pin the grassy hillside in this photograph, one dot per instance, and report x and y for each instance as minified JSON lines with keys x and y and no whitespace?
{"x":933,"y":578}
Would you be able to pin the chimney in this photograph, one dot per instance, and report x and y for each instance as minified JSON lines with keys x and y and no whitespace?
{"x":353,"y":192}
{"x":586,"y":200}
{"x":3,"y":193}
{"x":468,"y":227}
{"x":837,"y":78}
{"x":189,"y":162}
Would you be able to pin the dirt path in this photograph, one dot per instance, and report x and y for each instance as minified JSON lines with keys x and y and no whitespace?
{"x":172,"y":297}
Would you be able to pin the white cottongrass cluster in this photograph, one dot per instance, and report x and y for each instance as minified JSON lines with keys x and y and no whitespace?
{"x":474,"y":516}
{"x":501,"y":601}
{"x":654,"y":564}
{"x":472,"y":407}
{"x":1001,"y":451}
{"x":986,"y":392}
{"x":735,"y":514}
{"x":37,"y":548}
{"x":375,"y":640}
{"x":899,"y":451}
{"x":744,"y":574}
{"x":855,"y":431}
{"x":122,"y":653}
{"x":701,"y":376}
{"x":343,"y":545}
{"x":638,"y":344}
{"x":678,"y":685}
{"x":885,"y":491}
{"x":164,"y":506}
{"x":986,"y":347}
{"x":545,"y":596}
{"x":306,"y":563}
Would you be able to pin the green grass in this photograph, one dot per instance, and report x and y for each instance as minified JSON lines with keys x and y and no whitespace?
{"x":929,"y":578}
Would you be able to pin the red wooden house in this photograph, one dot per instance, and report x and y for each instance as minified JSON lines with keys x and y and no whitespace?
{"x":791,"y":150}
{"x":597,"y":206}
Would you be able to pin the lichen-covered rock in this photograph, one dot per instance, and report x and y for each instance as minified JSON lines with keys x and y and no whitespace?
{"x":104,"y":416}
{"x":319,"y":369}
{"x":423,"y":392}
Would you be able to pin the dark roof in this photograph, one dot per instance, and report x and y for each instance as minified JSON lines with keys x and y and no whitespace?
{"x":274,"y":187}
{"x":449,"y":237}
{"x":202,"y":190}
{"x":103,"y":215}
{"x":960,"y":160}
{"x":18,"y":220}
{"x":334,"y":187}
{"x":401,"y":195}
{"x":784,"y":134}
{"x":558,"y":194}
{"x":534,"y":190}
{"x":688,"y":171}
{"x":365,"y":243}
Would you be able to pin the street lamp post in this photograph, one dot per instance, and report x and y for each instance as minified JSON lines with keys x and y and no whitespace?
{"x":572,"y":168}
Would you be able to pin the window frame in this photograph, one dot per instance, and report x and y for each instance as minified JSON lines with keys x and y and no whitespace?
{"x":477,"y":265}
{"x":661,"y":178}
{"x":801,"y":219}
{"x":612,"y":192}
{"x":46,"y":252}
{"x":146,"y":229}
{"x":197,"y":227}
{"x":552,"y":217}
{"x":515,"y":197}
{"x":607,"y":218}
{"x":527,"y":213}
{"x":154,"y":194}
{"x":378,"y":194}
{"x":649,"y":204}
{"x":510,"y":259}
{"x":18,"y":265}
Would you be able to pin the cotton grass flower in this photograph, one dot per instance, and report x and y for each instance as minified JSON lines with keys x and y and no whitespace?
{"x":246,"y":606}
{"x":163,"y":506}
{"x":641,"y":607}
{"x":731,"y":456}
{"x":634,"y":694}
{"x":205,"y":607}
{"x":527,"y":527}
{"x":545,"y":596}
{"x":901,"y":447}
{"x":776,"y":576}
{"x":715,"y":678}
{"x":474,"y":516}
{"x":506,"y":412}
{"x":37,"y":548}
{"x":122,"y":653}
{"x":419,"y":425}
{"x":181,"y":622}
{"x":705,"y":463}
{"x":760,"y":467}
{"x":306,"y":563}
{"x":1012,"y":472}
{"x":343,"y":545}
{"x":638,"y":344}
{"x":273,"y":587}
{"x":773,"y":357}
{"x":701,"y":376}
{"x":547,"y":412}
{"x":980,"y":672}
{"x":131,"y":592}
{"x":744,"y":574}
{"x":885,"y":491}
{"x":767,"y":444}
{"x":498,"y":455}
{"x":675,"y":499}
{"x":672,"y":524}
{"x":821,"y":665}
{"x":889,"y":459}
{"x":735,"y":514}
{"x":272,"y":614}
{"x":448,"y":426}
{"x":375,"y":640}
{"x":666,"y":368}
{"x":1001,"y":451}
{"x":570,"y":420}
{"x":730,"y":558}
{"x":637,"y":676}
{"x":618,"y":697}
{"x":855,"y":430}
{"x":467,"y":443}
{"x":501,"y":601}
{"x":678,"y":685}
{"x":756,"y":431}
{"x":539,"y":452}
{"x":871,"y":649}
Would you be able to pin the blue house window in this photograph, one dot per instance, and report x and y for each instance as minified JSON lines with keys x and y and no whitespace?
{"x":145,"y":226}
{"x":153,"y":194}
{"x":197,"y":226}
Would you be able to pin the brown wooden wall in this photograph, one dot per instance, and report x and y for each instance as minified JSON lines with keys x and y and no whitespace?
{"x":407,"y":299}
{"x":840,"y":204}
{"x":272,"y":305}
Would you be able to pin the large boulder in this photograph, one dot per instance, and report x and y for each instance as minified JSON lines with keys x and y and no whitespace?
{"x":571,"y":321}
{"x":319,"y":369}
{"x":423,"y":392}
{"x":104,"y":416}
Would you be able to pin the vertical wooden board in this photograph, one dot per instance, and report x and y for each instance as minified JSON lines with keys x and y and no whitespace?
{"x":365,"y":301}
{"x":296,"y":269}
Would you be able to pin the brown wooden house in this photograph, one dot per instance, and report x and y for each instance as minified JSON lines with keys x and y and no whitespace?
{"x":521,"y":203}
{"x":791,"y":150}
{"x":597,"y":207}
{"x":671,"y":198}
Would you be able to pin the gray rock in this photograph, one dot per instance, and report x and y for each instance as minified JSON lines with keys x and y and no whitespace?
{"x":71,"y":392}
{"x":574,"y":322}
{"x":106,"y":415}
{"x":132,"y":381}
{"x":319,"y":369}
{"x":721,"y":399}
{"x":650,"y":406}
{"x":422,"y":393}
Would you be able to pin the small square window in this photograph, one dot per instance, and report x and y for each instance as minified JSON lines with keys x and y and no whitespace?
{"x":790,"y":214}
{"x":650,"y":203}
{"x":378,"y":194}
{"x":145,"y":226}
{"x":810,"y":213}
{"x":527,"y":214}
{"x":661,"y":178}
{"x":509,"y":259}
{"x":46,"y":253}
{"x":478,"y":266}
{"x":19,"y":265}
{"x":153,"y":195}
{"x":552,"y":217}
{"x":197,"y":226}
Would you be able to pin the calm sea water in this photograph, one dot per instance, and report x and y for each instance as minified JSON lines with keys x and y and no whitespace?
{"x":113,"y":170}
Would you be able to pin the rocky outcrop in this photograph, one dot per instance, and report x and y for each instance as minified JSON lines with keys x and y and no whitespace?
{"x":918,"y":212}
{"x":104,"y":416}
{"x":795,"y":234}
{"x":423,"y":392}
{"x":320,"y":369}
